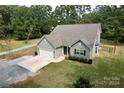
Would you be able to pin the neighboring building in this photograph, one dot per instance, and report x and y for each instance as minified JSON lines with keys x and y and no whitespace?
{"x":80,"y":40}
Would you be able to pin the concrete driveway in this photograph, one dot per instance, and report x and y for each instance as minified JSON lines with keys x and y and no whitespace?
{"x":34,"y":64}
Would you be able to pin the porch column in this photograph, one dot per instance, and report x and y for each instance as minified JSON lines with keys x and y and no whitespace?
{"x":67,"y":51}
{"x":97,"y":47}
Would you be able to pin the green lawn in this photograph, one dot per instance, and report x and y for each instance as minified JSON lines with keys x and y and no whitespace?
{"x":106,"y":71}
{"x":30,"y":51}
{"x":12,"y":44}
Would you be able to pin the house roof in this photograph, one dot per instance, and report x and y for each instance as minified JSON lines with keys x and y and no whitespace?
{"x":67,"y":35}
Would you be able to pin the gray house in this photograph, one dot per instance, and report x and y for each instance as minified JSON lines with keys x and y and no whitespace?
{"x":80,"y":40}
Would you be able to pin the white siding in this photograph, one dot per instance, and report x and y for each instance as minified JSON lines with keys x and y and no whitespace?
{"x":97,"y":41}
{"x":98,"y":37}
{"x":80,"y":46}
{"x":93,"y":51}
{"x":46,"y":50}
{"x":45,"y":45}
{"x":59,"y":52}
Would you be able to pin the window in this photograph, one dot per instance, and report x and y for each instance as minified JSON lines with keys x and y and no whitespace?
{"x":77,"y":52}
{"x":80,"y":52}
{"x":83,"y":52}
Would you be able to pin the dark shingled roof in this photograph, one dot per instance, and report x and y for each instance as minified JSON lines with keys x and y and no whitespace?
{"x":67,"y":35}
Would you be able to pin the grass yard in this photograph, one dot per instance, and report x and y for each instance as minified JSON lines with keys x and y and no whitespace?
{"x":21,"y":53}
{"x":106,"y":71}
{"x":12,"y":44}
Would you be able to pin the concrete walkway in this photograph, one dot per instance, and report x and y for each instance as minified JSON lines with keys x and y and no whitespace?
{"x":17,"y":49}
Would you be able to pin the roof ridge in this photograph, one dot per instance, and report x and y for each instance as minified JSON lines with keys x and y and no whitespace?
{"x":81,"y":24}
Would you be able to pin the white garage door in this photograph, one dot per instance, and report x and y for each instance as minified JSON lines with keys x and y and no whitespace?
{"x":46,"y":54}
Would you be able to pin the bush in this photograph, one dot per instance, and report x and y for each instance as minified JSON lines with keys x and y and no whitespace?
{"x":35,"y":53}
{"x":80,"y":59}
{"x":82,"y":83}
{"x":90,"y":61}
{"x":73,"y":58}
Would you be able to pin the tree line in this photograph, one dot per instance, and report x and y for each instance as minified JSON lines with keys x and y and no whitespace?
{"x":22,"y":22}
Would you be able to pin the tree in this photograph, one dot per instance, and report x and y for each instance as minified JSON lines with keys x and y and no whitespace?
{"x":5,"y":23}
{"x":31,"y":22}
{"x":116,"y":26}
{"x":5,"y":26}
{"x":107,"y":15}
{"x":113,"y":17}
{"x":23,"y":23}
{"x":42,"y":17}
{"x":70,"y":14}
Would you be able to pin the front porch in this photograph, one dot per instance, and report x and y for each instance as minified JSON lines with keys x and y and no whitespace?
{"x":66,"y":51}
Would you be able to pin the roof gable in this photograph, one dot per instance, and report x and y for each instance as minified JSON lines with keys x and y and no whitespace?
{"x":82,"y":43}
{"x":44,"y":37}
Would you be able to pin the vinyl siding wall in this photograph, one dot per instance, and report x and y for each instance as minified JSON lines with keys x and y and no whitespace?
{"x":97,"y":41}
{"x":59,"y":52}
{"x":80,"y":46}
{"x":45,"y":45}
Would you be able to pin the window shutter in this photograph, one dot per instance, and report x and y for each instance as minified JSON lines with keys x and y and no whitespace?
{"x":74,"y":51}
{"x":84,"y":52}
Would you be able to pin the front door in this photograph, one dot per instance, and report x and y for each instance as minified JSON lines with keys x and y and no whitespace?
{"x":66,"y":50}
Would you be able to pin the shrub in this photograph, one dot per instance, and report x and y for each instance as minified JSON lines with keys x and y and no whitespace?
{"x":35,"y":53}
{"x":82,"y":83}
{"x":80,"y":59}
{"x":72,"y":58}
{"x":90,"y":61}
